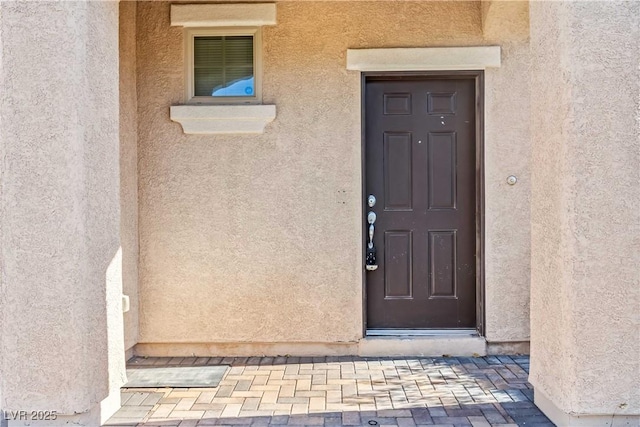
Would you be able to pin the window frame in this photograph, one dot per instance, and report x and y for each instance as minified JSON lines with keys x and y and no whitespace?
{"x":191,"y":34}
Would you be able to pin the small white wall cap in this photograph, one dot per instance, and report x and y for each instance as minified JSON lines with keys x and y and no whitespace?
{"x":125,"y":303}
{"x":223,"y":15}
{"x":424,"y":59}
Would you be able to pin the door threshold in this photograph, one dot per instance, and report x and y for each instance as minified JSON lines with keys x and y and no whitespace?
{"x":453,"y":342}
{"x":421,"y":332}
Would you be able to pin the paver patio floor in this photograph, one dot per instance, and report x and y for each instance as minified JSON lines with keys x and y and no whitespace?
{"x":335,"y":391}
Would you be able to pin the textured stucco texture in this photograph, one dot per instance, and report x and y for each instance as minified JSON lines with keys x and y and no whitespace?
{"x":507,"y":152}
{"x":586,"y":206}
{"x":60,"y":295}
{"x":129,"y":168}
{"x":505,"y":20}
{"x":507,"y":207}
{"x":259,"y":238}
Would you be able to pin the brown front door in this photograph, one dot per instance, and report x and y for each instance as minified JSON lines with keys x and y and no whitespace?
{"x":420,"y":150}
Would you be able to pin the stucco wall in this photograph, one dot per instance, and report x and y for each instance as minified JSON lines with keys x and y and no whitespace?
{"x":505,"y":20}
{"x":129,"y":168}
{"x":60,"y":313}
{"x":507,"y":207}
{"x":586,"y":206}
{"x":258,"y":238}
{"x":3,"y":244}
{"x":507,"y":152}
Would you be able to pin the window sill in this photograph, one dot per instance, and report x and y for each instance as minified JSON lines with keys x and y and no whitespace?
{"x":223,"y":119}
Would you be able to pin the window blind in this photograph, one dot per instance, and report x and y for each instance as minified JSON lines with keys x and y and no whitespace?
{"x":223,"y":66}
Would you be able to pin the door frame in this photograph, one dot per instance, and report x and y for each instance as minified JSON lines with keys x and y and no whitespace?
{"x":478,"y":77}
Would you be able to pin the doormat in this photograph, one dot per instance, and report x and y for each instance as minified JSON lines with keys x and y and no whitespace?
{"x":175,"y":376}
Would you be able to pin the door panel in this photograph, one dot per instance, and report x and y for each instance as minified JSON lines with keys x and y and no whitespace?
{"x":441,"y":166}
{"x":420,"y":155}
{"x":397,"y":171}
{"x":398,"y":261}
{"x":442,"y":263}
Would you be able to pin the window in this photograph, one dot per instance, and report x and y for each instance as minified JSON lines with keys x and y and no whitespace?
{"x":223,"y":66}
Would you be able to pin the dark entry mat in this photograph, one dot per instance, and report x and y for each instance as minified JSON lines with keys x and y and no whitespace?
{"x":175,"y":376}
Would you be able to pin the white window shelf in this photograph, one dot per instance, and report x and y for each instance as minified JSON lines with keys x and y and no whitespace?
{"x":223,"y":119}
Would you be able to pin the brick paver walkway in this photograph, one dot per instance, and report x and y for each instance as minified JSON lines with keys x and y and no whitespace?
{"x":335,"y":391}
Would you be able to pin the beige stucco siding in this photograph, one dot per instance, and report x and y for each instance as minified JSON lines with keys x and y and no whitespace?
{"x":61,"y":325}
{"x":585,"y":207}
{"x":258,"y":238}
{"x":507,"y":207}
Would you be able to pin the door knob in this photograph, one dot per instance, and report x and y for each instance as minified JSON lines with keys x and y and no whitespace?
{"x":371,"y":218}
